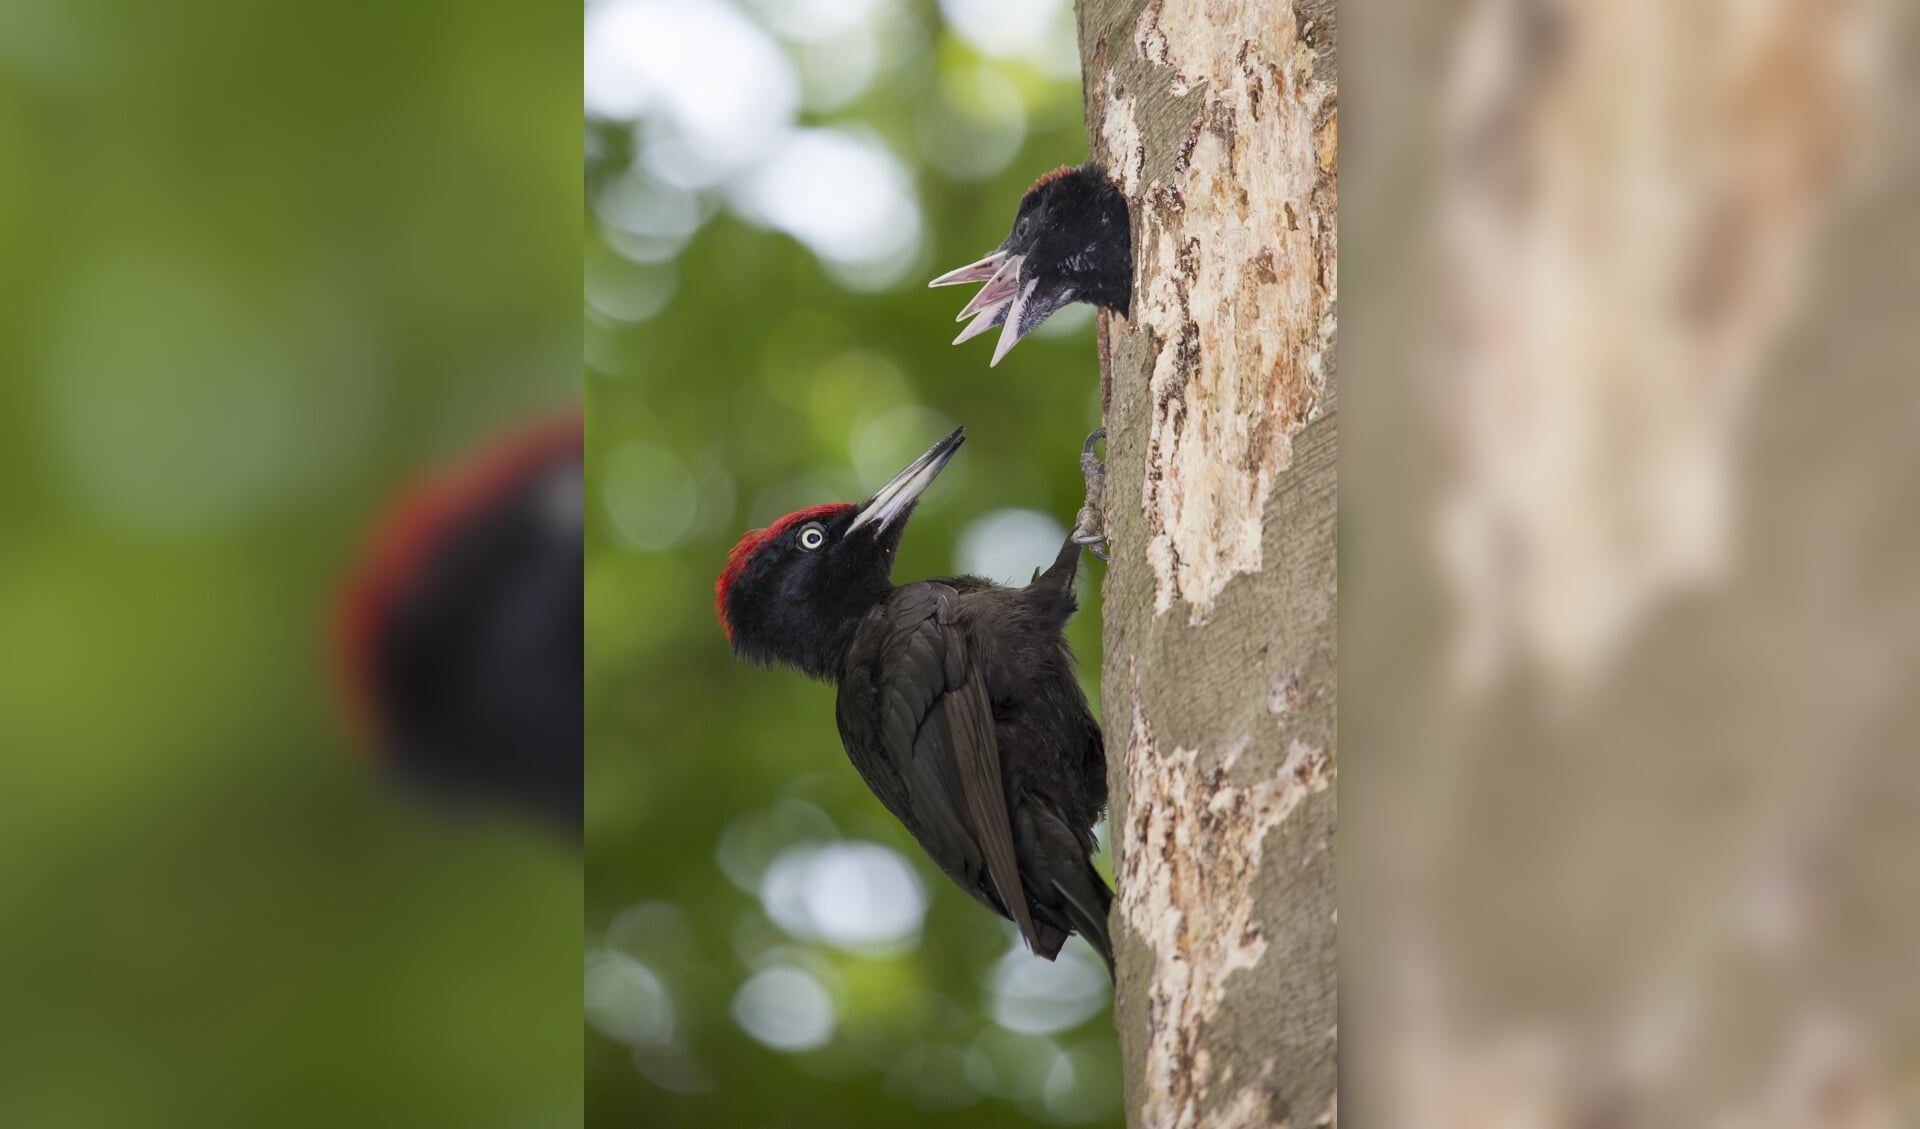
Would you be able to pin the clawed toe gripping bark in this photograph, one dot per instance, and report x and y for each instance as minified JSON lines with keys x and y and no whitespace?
{"x":1090,"y":527}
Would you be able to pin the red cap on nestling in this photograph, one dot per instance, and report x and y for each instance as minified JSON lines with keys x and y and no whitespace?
{"x":1049,"y":178}
{"x":753,"y":542}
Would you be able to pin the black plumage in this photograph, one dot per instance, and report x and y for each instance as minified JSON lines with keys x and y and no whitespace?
{"x":957,"y":700}
{"x":458,"y":634}
{"x":1071,"y":242}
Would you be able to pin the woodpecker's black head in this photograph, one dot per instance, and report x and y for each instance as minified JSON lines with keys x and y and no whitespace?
{"x":1070,"y":243}
{"x":793,"y":592}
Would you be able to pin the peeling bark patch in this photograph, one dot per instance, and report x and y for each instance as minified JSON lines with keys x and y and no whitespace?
{"x":1238,"y":281}
{"x":1620,"y":266}
{"x":1284,"y":697}
{"x":1248,"y":1108}
{"x":1305,"y":764}
{"x":1196,"y":909}
{"x":1148,"y":36}
{"x":1126,"y":156}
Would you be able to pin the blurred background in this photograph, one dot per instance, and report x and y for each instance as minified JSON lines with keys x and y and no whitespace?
{"x":770,"y":185}
{"x":1629,"y":627}
{"x":262,"y":264}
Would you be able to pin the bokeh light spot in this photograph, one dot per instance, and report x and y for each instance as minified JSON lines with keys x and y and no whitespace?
{"x":1007,"y":545}
{"x":1002,"y":28}
{"x":1035,"y":996}
{"x":858,"y":896}
{"x":716,"y":88}
{"x":846,"y":197}
{"x":649,"y":497}
{"x":786,"y":1008}
{"x":623,"y":291}
{"x":1069,"y":320}
{"x":862,"y":895}
{"x":751,"y":841}
{"x":974,"y":124}
{"x":811,"y":21}
{"x":891,"y":441}
{"x":644,"y":219}
{"x":855,"y":386}
{"x":627,"y":1001}
{"x":651,"y":930}
{"x":835,"y":71}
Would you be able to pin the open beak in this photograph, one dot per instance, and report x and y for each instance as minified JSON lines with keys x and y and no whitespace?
{"x":972,"y":272}
{"x":892,"y":501}
{"x":998,"y":302}
{"x":999,"y":289}
{"x":1025,"y":309}
{"x":1007,"y":301}
{"x":983,"y":321}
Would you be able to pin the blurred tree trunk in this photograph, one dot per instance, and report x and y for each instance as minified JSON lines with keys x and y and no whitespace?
{"x":1218,"y":118}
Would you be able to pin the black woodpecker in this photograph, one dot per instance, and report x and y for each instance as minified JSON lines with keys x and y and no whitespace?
{"x":957,"y":699}
{"x":457,"y":634}
{"x":1070,"y":243}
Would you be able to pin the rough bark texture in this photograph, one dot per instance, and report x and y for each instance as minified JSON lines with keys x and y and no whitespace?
{"x":1618,"y":257}
{"x":1218,"y":118}
{"x":1627,"y":851}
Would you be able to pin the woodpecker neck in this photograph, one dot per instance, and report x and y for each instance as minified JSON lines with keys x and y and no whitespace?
{"x":1111,"y":278}
{"x":1114,"y":290}
{"x":823,"y":636}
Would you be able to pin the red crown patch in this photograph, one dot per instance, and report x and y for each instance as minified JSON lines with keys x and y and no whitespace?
{"x":1049,"y":178}
{"x":753,"y":542}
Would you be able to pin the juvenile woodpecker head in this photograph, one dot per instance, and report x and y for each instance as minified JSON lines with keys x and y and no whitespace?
{"x":793,"y":592}
{"x":1070,"y":243}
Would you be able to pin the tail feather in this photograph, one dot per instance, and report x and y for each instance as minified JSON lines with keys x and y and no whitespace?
{"x":1067,"y":891}
{"x":1066,"y":565}
{"x":1048,"y":938}
{"x":1088,"y":907}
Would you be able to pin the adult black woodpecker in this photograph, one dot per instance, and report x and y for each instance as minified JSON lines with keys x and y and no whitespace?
{"x":957,"y":699}
{"x":1070,"y":243}
{"x":457,"y":633}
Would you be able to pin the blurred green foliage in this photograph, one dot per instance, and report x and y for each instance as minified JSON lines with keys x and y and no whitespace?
{"x":734,"y":375}
{"x":263,"y":261}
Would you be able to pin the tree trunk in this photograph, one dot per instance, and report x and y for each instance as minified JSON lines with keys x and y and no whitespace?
{"x":1218,"y":119}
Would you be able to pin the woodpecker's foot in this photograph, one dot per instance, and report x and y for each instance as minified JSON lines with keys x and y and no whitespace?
{"x":1090,"y":527}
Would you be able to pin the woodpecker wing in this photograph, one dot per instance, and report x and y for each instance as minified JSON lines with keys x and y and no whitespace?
{"x":917,"y":723}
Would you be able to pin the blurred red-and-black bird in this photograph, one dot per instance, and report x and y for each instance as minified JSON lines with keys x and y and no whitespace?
{"x":458,"y":635}
{"x":1070,"y":243}
{"x":957,"y":699}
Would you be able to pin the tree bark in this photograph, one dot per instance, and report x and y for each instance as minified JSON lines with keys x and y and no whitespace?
{"x":1218,"y":118}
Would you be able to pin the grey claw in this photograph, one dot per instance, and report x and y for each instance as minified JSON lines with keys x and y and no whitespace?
{"x":1088,"y":526}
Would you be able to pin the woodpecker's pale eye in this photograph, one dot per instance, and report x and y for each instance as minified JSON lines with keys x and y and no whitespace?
{"x":812,"y":537}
